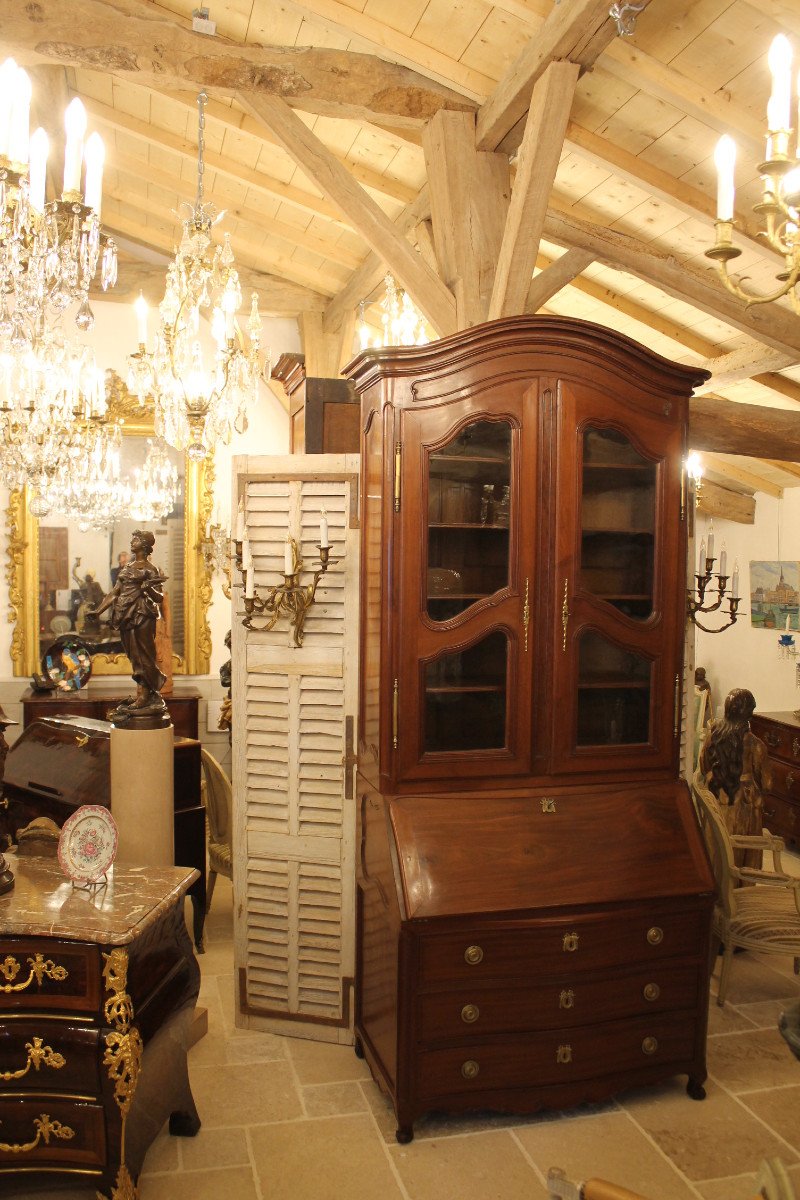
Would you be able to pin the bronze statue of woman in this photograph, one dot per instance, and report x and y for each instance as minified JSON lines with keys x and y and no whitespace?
{"x":135,"y":601}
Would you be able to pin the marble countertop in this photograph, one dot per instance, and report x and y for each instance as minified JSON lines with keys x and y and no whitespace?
{"x":44,"y":903}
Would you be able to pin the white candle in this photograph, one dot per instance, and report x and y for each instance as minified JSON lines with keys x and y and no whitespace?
{"x":140,"y":308}
{"x":249,"y":583}
{"x":323,"y":531}
{"x":288,"y":558}
{"x":38,"y":169}
{"x":247,"y":554}
{"x":8,"y":75}
{"x":780,"y":64}
{"x":725,"y":160}
{"x":19,"y":134}
{"x":240,"y":529}
{"x":710,"y":550}
{"x":701,"y":566}
{"x":723,"y":560}
{"x":735,"y":581}
{"x":75,"y":125}
{"x":95,"y":155}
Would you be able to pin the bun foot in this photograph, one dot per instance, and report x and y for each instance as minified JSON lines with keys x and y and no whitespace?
{"x":359,"y":1048}
{"x":695,"y":1090}
{"x":184,"y":1124}
{"x":404,"y":1134}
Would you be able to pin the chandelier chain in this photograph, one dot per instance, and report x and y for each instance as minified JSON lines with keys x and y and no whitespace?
{"x":202,"y":100}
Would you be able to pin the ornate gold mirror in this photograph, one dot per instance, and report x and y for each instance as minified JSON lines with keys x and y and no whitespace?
{"x":49,"y":561}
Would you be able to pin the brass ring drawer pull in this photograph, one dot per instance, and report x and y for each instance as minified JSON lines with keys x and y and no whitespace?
{"x":40,"y":967}
{"x":655,"y":935}
{"x":570,"y":942}
{"x":469,"y":1069}
{"x":564,"y":1054}
{"x":38,"y":1055}
{"x":45,"y":1128}
{"x":651,"y":991}
{"x":470,"y":1013}
{"x":650,"y":1045}
{"x":473,"y":955}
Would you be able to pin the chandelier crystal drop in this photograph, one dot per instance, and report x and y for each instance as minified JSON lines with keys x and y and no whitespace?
{"x":401,"y":323}
{"x":779,"y":207}
{"x":199,"y":404}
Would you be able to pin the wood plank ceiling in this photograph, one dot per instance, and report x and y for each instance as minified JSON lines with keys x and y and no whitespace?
{"x":467,"y":144}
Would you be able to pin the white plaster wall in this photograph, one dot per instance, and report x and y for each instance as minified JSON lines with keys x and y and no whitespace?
{"x":112,"y":339}
{"x":743,"y":656}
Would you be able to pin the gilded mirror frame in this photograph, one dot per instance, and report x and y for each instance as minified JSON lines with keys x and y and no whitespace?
{"x":22,"y":569}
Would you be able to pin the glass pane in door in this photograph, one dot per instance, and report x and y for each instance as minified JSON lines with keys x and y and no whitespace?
{"x":614,"y":688}
{"x":469,"y":491}
{"x":618,"y":508}
{"x":465,"y":697}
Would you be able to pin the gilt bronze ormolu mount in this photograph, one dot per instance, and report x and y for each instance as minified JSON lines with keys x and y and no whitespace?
{"x":290,"y":598}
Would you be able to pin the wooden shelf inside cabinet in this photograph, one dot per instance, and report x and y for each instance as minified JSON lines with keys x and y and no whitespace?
{"x":616,"y":531}
{"x":465,"y":525}
{"x":447,"y":689}
{"x":459,"y":595}
{"x":643,"y":469}
{"x":611,"y":682}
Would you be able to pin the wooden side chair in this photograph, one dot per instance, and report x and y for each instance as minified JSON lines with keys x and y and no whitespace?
{"x":755,"y":909}
{"x":218,"y":811}
{"x":772,"y":1181}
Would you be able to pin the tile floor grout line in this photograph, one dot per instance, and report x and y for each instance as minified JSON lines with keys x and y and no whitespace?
{"x":662,"y":1153}
{"x":526,"y":1155}
{"x":295,"y":1075}
{"x":734,"y":1096}
{"x":252,"y":1161}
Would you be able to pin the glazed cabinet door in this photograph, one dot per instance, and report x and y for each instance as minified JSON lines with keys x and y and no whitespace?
{"x":619,"y":583}
{"x":463,"y":644}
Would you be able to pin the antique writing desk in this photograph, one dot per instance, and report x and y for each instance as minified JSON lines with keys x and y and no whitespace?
{"x":97,"y":991}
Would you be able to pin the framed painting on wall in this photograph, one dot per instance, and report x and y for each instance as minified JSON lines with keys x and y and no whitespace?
{"x":774,"y":595}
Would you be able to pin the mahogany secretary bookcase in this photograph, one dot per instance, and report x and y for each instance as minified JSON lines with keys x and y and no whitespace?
{"x":533,"y":896}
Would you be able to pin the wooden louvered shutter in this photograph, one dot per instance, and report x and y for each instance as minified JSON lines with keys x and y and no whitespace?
{"x":294,"y":730}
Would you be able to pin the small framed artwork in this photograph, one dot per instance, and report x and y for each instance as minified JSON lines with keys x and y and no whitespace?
{"x":775,"y":595}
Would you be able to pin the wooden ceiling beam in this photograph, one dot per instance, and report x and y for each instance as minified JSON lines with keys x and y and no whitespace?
{"x":742,"y":364}
{"x":234,"y":118}
{"x":556,"y":275}
{"x":779,"y":329}
{"x":791,"y":469}
{"x":732,"y":472}
{"x":428,"y":292}
{"x":145,"y":44}
{"x":726,"y":504}
{"x":576,"y":32}
{"x":537,"y":163}
{"x":756,"y":430}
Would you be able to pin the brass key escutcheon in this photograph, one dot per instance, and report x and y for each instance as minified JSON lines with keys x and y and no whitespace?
{"x":473,"y":955}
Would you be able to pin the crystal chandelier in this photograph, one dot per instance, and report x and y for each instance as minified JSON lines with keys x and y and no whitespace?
{"x":197,"y":406}
{"x":154,"y":486}
{"x":780,"y":197}
{"x":401,"y":323}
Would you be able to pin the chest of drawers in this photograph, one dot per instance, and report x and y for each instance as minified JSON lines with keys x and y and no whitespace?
{"x":479,"y":990}
{"x":780,"y":732}
{"x":96,"y":994}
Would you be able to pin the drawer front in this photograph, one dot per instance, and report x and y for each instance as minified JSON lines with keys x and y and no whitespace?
{"x":528,"y":952}
{"x":785,"y":780}
{"x":36,"y":973}
{"x":41,"y":1132}
{"x":781,"y":816}
{"x":558,"y":1004}
{"x":544,"y":1059}
{"x":781,"y":741}
{"x":43,"y":1055}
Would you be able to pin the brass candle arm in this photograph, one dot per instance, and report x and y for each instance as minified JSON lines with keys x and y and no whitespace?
{"x":697,"y":604}
{"x":290,"y":598}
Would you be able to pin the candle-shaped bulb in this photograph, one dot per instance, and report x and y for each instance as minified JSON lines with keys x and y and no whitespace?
{"x":140,"y":308}
{"x":37,"y":173}
{"x":288,"y":558}
{"x":780,"y":65}
{"x":95,"y":155}
{"x":723,"y":560}
{"x":701,"y":566}
{"x":75,"y":125}
{"x":323,"y":531}
{"x":19,"y":134}
{"x":240,"y":529}
{"x":725,"y":161}
{"x":8,"y":76}
{"x":710,"y":547}
{"x":735,"y":581}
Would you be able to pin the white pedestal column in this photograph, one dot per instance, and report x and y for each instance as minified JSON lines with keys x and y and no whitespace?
{"x":142,"y":804}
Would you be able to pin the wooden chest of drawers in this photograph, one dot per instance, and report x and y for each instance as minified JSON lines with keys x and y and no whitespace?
{"x":498,"y":996}
{"x":100,"y":999}
{"x":780,"y":732}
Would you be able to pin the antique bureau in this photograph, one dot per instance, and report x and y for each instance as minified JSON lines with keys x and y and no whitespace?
{"x":780,"y":732}
{"x":97,"y":991}
{"x":534,"y":897}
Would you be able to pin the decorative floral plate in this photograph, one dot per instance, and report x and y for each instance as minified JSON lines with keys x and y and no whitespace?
{"x":68,"y":662}
{"x":88,"y":844}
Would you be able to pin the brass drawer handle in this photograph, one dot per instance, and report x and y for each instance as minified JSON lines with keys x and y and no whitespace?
{"x":655,"y":935}
{"x":651,"y":991}
{"x":570,"y":942}
{"x":4,"y":802}
{"x":771,"y":738}
{"x":470,"y":1013}
{"x":796,"y":746}
{"x":650,"y":1045}
{"x":38,"y":1056}
{"x":469,"y":1069}
{"x":473,"y":955}
{"x":566,"y":999}
{"x":44,"y":1128}
{"x":790,"y":780}
{"x":40,"y":966}
{"x":564,"y":1054}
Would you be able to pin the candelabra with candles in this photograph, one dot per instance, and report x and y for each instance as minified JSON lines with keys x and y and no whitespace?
{"x":696,"y":598}
{"x":216,"y":550}
{"x":290,"y":598}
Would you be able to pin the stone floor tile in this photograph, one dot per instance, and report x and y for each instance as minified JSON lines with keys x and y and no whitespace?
{"x":163,"y":1154}
{"x":245,"y":1095}
{"x":764,"y":1013}
{"x":608,"y":1145}
{"x":248,"y":1046}
{"x":215,"y":1148}
{"x":333,"y":1099}
{"x":324,"y":1062}
{"x":752,"y":980}
{"x":483,"y":1166}
{"x":707,"y":1139}
{"x":750,"y":1061}
{"x":337,"y":1158}
{"x":234,"y":1182}
{"x":780,"y":1109}
{"x":729,"y":1019}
